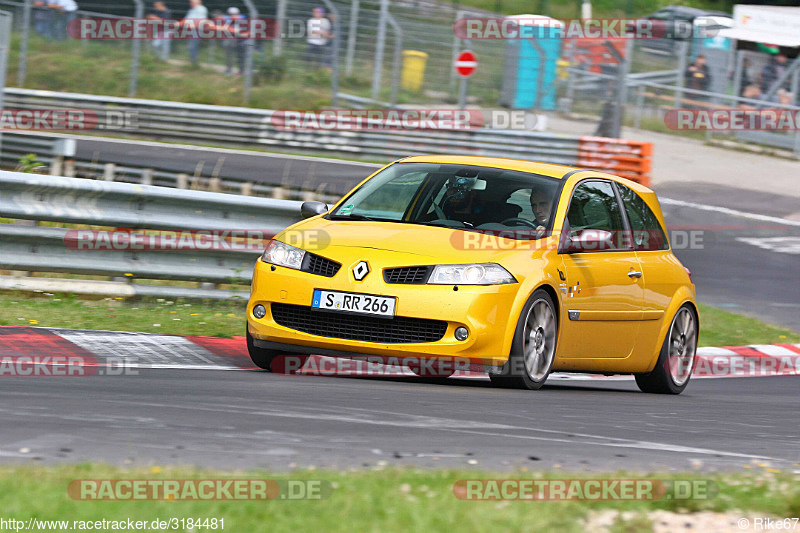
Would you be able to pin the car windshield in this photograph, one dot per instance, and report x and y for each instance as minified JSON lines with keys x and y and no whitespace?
{"x":456,"y":196}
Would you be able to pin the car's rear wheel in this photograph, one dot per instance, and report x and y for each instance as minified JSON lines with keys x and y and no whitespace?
{"x":534,"y":348}
{"x":271,"y":360}
{"x":676,"y":360}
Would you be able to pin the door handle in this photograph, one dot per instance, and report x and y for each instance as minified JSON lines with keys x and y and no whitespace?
{"x":634,"y":274}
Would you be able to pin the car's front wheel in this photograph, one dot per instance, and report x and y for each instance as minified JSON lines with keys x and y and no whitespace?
{"x":676,"y":360}
{"x":271,"y":360}
{"x":534,"y":348}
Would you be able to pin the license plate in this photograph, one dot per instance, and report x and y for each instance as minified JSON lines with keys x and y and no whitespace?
{"x":365,"y":304}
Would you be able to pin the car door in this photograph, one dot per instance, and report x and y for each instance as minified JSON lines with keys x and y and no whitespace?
{"x":602,"y":287}
{"x":661,"y":271}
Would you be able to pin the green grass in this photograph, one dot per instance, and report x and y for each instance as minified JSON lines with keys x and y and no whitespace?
{"x":226,"y":319}
{"x":721,"y":328}
{"x":377,"y":500}
{"x":168,"y":316}
{"x":103,"y":68}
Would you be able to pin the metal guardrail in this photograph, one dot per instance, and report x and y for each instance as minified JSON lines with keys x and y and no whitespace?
{"x":197,"y":123}
{"x":49,"y":150}
{"x":59,"y":155}
{"x":120,"y":205}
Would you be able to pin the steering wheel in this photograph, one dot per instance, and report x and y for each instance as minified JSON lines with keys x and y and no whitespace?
{"x":517,"y":221}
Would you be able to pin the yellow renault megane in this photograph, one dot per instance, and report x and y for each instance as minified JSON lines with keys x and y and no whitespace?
{"x":521,"y":268}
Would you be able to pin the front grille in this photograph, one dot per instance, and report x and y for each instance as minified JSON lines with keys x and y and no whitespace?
{"x":357,"y":327}
{"x":416,"y":275}
{"x":319,"y":265}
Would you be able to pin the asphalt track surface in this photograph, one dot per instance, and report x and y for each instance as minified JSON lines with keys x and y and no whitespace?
{"x":219,"y":418}
{"x":339,"y":176}
{"x":249,"y":419}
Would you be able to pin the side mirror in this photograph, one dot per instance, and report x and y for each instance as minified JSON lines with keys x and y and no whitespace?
{"x":312,"y":209}
{"x":588,"y":240}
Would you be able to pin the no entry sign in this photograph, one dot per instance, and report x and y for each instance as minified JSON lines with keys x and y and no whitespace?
{"x":466,"y":63}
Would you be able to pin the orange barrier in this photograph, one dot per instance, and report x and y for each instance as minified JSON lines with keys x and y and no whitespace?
{"x":628,"y":159}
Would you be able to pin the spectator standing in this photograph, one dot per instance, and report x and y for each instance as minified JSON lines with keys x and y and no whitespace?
{"x":42,"y":15}
{"x":772,"y":71}
{"x":318,"y":34}
{"x":64,"y":12}
{"x":161,"y":44}
{"x":235,"y":49}
{"x":197,"y":13}
{"x":698,"y":75}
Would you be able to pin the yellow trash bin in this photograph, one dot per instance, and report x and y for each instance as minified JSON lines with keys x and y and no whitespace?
{"x":414,"y":63}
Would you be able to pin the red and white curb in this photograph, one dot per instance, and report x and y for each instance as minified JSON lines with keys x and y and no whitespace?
{"x":23,"y":347}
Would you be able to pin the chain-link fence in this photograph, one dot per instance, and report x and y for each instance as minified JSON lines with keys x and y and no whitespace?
{"x":5,"y":43}
{"x":371,"y":52}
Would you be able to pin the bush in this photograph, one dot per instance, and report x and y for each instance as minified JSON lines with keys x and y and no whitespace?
{"x":271,"y":70}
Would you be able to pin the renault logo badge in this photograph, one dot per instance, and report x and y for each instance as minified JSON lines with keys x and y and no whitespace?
{"x":361,"y":270}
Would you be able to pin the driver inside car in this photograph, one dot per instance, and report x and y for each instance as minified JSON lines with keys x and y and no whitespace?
{"x":542,"y":206}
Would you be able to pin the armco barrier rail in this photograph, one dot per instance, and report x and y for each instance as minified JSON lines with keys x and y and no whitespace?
{"x":197,"y":123}
{"x":49,"y":150}
{"x":121,"y":205}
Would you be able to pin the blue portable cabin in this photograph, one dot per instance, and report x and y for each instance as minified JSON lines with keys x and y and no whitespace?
{"x":529,"y":73}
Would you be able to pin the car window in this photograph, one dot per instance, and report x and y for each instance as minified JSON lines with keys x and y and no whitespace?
{"x":663,"y":14}
{"x":457,"y":196}
{"x":594,"y":206}
{"x":391,"y":200}
{"x":647,"y":231}
{"x":522,"y":199}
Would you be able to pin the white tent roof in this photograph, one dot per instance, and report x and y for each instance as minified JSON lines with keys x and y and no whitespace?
{"x":758,"y":36}
{"x":776,"y":25}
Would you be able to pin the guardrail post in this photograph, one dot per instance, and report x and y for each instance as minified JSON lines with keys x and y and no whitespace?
{"x":147,"y":176}
{"x":247,"y":189}
{"x":215,"y":185}
{"x":182,"y":181}
{"x":56,"y":165}
{"x":23,"y":44}
{"x":109,"y":171}
{"x":377,"y":72}
{"x":136,"y":50}
{"x":69,"y":168}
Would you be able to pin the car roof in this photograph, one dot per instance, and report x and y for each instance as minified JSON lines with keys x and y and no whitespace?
{"x":551,"y":170}
{"x":545,"y":169}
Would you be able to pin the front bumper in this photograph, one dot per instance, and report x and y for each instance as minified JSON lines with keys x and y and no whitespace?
{"x":483,"y":310}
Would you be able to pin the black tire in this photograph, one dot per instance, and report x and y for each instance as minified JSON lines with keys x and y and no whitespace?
{"x":676,"y":360}
{"x":271,"y":360}
{"x":539,"y":343}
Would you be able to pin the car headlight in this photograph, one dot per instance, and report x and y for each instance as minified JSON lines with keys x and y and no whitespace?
{"x":284,"y":255}
{"x":477,"y":274}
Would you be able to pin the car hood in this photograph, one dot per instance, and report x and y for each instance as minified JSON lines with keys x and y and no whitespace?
{"x":421,"y":244}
